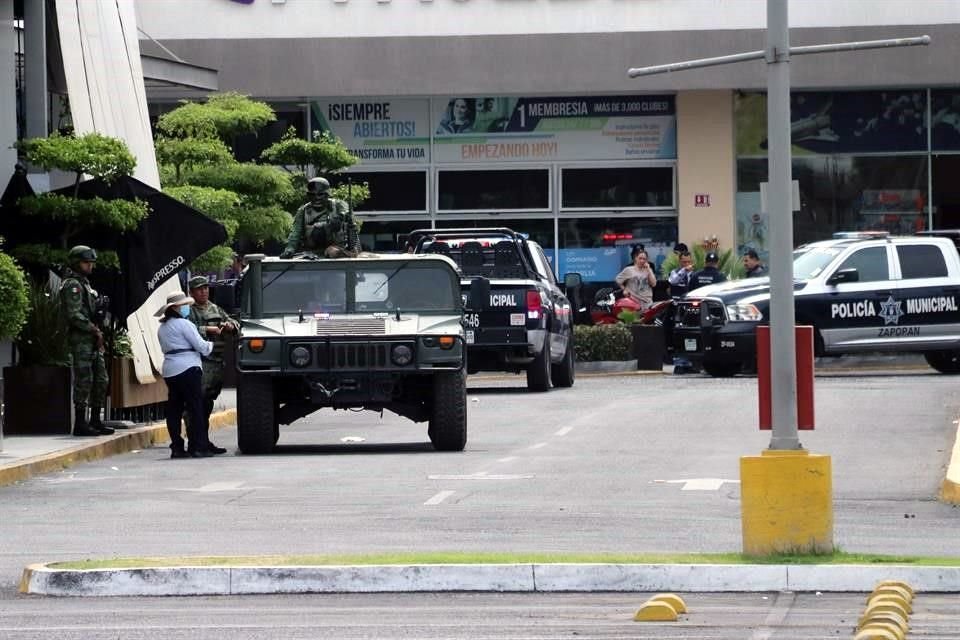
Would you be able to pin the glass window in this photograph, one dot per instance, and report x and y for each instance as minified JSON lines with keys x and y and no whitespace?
{"x":598,"y":248}
{"x":838,"y":193}
{"x":921,"y":261}
{"x":617,"y":187}
{"x":248,"y":147}
{"x":387,"y":236}
{"x":389,"y":190}
{"x":493,"y":189}
{"x":870,"y":263}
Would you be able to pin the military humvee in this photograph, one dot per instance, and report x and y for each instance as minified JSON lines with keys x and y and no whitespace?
{"x":379,"y":332}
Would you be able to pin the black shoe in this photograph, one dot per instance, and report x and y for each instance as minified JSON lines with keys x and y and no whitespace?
{"x":178,"y":453}
{"x":215,"y":450}
{"x":85,"y":431}
{"x":101,"y":429}
{"x":200,"y":454}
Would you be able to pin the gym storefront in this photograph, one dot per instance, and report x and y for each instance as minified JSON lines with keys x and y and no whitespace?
{"x":586,"y":177}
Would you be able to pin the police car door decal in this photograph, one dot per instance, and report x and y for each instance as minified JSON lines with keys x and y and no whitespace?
{"x":850,"y":313}
{"x":927,"y":311}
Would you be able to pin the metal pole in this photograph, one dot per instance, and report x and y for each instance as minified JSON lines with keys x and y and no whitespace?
{"x":783,"y":370}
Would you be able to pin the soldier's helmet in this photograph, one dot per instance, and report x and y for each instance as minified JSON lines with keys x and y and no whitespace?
{"x":318,"y":186}
{"x":81,"y":253}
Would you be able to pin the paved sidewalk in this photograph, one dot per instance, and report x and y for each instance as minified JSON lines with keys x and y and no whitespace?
{"x":22,"y":457}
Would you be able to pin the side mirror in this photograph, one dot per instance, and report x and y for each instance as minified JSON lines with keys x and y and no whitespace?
{"x":844,"y":275}
{"x":572,"y":281}
{"x":478,"y":297}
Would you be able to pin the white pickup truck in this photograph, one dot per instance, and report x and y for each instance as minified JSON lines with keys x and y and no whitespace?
{"x":861,"y":293}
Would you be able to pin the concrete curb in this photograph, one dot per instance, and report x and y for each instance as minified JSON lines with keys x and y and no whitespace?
{"x":950,"y":487}
{"x":90,"y":449}
{"x":41,"y":579}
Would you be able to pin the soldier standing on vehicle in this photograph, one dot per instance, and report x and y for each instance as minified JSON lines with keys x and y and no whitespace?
{"x":710,"y":274}
{"x":212,"y":322}
{"x":79,"y":302}
{"x":324,"y":225}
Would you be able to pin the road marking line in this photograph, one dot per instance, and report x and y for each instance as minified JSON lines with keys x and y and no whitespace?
{"x":482,"y":476}
{"x":778,"y":613}
{"x":437,"y":499}
{"x":700,"y":484}
{"x":564,"y":431}
{"x":538,"y":445}
{"x":507,"y":459}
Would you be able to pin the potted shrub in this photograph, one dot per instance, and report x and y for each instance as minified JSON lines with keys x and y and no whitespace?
{"x":609,"y":344}
{"x":38,"y":390}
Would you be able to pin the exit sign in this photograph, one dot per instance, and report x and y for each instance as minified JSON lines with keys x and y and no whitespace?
{"x":701,"y":199}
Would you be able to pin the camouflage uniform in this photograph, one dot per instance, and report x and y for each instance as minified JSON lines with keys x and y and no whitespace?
{"x":323,"y":222}
{"x":79,"y":302}
{"x":210,"y":315}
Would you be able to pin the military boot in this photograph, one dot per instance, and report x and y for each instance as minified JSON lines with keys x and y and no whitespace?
{"x":80,"y":425}
{"x":97,"y":424}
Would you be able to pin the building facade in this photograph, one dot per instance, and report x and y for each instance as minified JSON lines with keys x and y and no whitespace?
{"x":521,"y":113}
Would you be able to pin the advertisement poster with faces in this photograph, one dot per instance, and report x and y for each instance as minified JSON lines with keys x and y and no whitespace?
{"x":482,"y":129}
{"x":377,"y":130}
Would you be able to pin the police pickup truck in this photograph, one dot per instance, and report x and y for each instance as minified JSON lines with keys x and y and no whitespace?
{"x":528,"y":324}
{"x":860,"y":292}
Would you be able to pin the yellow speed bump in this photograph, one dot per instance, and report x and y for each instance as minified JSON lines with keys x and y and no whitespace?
{"x":896,"y":583}
{"x":875,"y":634}
{"x":885,"y":616}
{"x":886,"y":598}
{"x":893,"y":590}
{"x":885,"y":626}
{"x":886,"y":606}
{"x":662,"y":607}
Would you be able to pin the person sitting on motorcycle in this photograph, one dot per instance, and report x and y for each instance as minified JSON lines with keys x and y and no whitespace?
{"x":638,"y":280}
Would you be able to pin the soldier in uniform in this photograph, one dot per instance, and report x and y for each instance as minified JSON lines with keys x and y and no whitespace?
{"x":79,"y":302}
{"x":212,"y":323}
{"x":324,"y":225}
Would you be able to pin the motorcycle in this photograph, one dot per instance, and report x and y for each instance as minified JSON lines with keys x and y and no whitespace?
{"x":607,"y":307}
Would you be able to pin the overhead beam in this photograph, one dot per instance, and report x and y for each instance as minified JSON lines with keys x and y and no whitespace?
{"x":183,"y":74}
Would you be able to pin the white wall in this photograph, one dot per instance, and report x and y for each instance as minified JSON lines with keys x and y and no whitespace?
{"x":190,"y":19}
{"x":8,"y":92}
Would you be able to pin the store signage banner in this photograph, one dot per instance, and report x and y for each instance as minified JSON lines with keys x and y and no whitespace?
{"x":499,"y":129}
{"x":378,"y":131}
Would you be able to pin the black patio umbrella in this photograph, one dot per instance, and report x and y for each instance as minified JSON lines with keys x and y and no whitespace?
{"x":165,"y":242}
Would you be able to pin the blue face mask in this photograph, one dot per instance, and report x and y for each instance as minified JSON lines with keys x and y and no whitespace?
{"x":185,"y":311}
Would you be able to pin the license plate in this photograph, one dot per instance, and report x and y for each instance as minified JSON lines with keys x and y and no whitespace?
{"x":517,"y":319}
{"x":469,"y":337}
{"x":690,"y":344}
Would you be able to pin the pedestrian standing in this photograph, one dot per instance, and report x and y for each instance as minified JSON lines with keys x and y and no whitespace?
{"x":638,"y":280}
{"x":680,"y":277}
{"x":182,"y":372}
{"x":79,"y":302}
{"x":214,"y":325}
{"x":710,"y":274}
{"x":752,"y":264}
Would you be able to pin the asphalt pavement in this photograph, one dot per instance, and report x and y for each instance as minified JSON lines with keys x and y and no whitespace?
{"x":23,"y":457}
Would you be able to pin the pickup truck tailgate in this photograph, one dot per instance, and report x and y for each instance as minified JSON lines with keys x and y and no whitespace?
{"x":504,"y":320}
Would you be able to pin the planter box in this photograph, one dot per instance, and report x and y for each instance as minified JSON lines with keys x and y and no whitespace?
{"x":649,"y":346}
{"x":37,"y":400}
{"x":126,"y":391}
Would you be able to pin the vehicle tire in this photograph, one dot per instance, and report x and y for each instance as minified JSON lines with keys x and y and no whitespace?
{"x":256,"y":416}
{"x":944,"y":361}
{"x":724,"y":370}
{"x":563,"y":373}
{"x":538,"y":371}
{"x":448,"y":415}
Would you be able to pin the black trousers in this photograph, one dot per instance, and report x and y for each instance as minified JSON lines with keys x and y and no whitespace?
{"x":185,"y":394}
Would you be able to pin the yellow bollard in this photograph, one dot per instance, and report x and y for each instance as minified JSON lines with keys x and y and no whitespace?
{"x":786,"y":503}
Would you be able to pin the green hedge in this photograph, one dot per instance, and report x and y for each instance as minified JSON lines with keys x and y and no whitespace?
{"x":602,"y":342}
{"x":13,"y":292}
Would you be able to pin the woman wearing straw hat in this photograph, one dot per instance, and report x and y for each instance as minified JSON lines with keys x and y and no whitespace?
{"x":182,"y":348}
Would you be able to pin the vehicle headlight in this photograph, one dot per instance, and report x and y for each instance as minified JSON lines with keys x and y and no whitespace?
{"x":744,"y":312}
{"x":401,"y":355}
{"x":300,"y":356}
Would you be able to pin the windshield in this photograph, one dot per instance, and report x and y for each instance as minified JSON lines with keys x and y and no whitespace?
{"x":809,"y":263}
{"x":365,"y":288}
